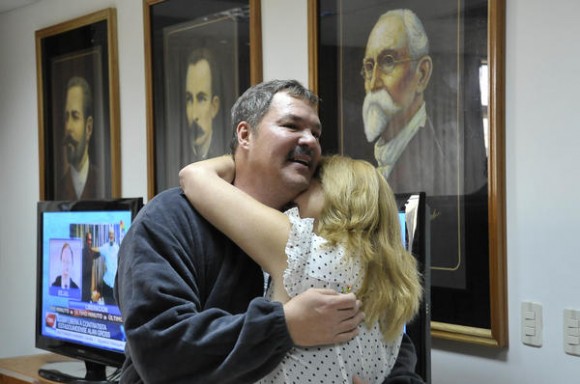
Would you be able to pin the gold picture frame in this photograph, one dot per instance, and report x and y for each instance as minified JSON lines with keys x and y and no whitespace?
{"x":79,"y":53}
{"x":469,"y":295}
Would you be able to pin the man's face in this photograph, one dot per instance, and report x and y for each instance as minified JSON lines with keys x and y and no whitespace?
{"x":77,"y":129}
{"x":284,"y":151}
{"x":200,"y":105}
{"x":89,"y":240}
{"x":66,"y":262}
{"x":388,"y":93}
{"x":111,"y":237}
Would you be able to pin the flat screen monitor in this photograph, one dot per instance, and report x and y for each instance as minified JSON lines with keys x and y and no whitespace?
{"x":414,"y":221}
{"x":76,"y":313}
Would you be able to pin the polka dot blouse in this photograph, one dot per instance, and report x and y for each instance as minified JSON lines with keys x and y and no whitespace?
{"x":312,"y":264}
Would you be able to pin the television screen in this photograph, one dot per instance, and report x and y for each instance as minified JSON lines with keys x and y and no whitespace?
{"x":77,"y":315}
{"x":414,"y":221}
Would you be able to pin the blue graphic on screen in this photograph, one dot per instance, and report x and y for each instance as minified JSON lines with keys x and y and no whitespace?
{"x":78,"y":276}
{"x":403,"y":223}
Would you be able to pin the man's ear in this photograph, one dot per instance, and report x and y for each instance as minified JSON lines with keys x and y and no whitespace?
{"x":215,"y":106}
{"x":243,"y":131}
{"x":89,"y":127}
{"x":423,"y":73}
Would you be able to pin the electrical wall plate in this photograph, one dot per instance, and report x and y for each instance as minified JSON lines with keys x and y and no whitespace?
{"x":572,"y":332}
{"x":532,"y":324}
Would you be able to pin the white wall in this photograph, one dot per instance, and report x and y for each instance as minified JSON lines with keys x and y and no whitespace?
{"x":19,"y":146}
{"x":542,"y":141}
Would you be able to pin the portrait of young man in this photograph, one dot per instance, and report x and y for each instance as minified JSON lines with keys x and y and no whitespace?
{"x":80,"y":144}
{"x":82,"y":178}
{"x":202,"y":138}
{"x":203,"y":61}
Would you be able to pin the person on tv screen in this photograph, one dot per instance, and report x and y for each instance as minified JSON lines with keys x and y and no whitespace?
{"x":344,"y":235}
{"x":109,"y":253}
{"x":91,"y":282}
{"x":192,"y":301}
{"x":64,"y":280}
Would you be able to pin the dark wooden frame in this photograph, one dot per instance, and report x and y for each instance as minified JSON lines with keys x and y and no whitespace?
{"x":86,"y":47}
{"x":493,"y":302}
{"x":165,"y":19}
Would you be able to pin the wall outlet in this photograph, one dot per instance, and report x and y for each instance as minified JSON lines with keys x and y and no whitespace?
{"x":532,"y":324}
{"x":572,"y":332}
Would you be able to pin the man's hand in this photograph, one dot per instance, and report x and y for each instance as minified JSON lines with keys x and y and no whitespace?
{"x":322,"y":316}
{"x":358,"y":380}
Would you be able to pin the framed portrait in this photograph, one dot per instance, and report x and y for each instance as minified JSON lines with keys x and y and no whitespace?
{"x":78,"y":108}
{"x":200,"y":56}
{"x":416,"y":88}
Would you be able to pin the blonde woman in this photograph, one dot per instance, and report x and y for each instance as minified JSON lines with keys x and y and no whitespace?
{"x":344,"y":235}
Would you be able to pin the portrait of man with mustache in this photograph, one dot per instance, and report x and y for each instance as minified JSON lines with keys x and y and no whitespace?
{"x":416,"y":149}
{"x":82,"y":177}
{"x":411,"y":152}
{"x":203,"y":138}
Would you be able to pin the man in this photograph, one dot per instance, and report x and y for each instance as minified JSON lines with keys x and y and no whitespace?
{"x":445,"y":160}
{"x":412,"y":154}
{"x":81,"y":179}
{"x":109,"y":252}
{"x":191,"y":300}
{"x":64,"y":280}
{"x":202,"y":104}
{"x":91,"y":283}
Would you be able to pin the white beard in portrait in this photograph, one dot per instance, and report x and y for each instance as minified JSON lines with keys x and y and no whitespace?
{"x":378,"y":109}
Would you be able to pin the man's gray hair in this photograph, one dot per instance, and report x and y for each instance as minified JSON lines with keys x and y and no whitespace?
{"x":416,"y":35}
{"x":255,"y":102}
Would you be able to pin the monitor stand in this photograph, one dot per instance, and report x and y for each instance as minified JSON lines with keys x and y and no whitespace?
{"x":76,"y":372}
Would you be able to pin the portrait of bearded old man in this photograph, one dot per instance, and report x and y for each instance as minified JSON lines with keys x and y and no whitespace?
{"x":412,"y":153}
{"x":442,"y":156}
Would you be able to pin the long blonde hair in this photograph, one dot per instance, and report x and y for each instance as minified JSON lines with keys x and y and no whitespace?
{"x":360,"y":213}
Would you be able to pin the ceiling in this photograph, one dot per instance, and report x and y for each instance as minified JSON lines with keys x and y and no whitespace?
{"x":9,"y":5}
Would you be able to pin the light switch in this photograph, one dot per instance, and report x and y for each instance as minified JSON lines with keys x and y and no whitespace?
{"x":532,"y":324}
{"x":572,"y":332}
